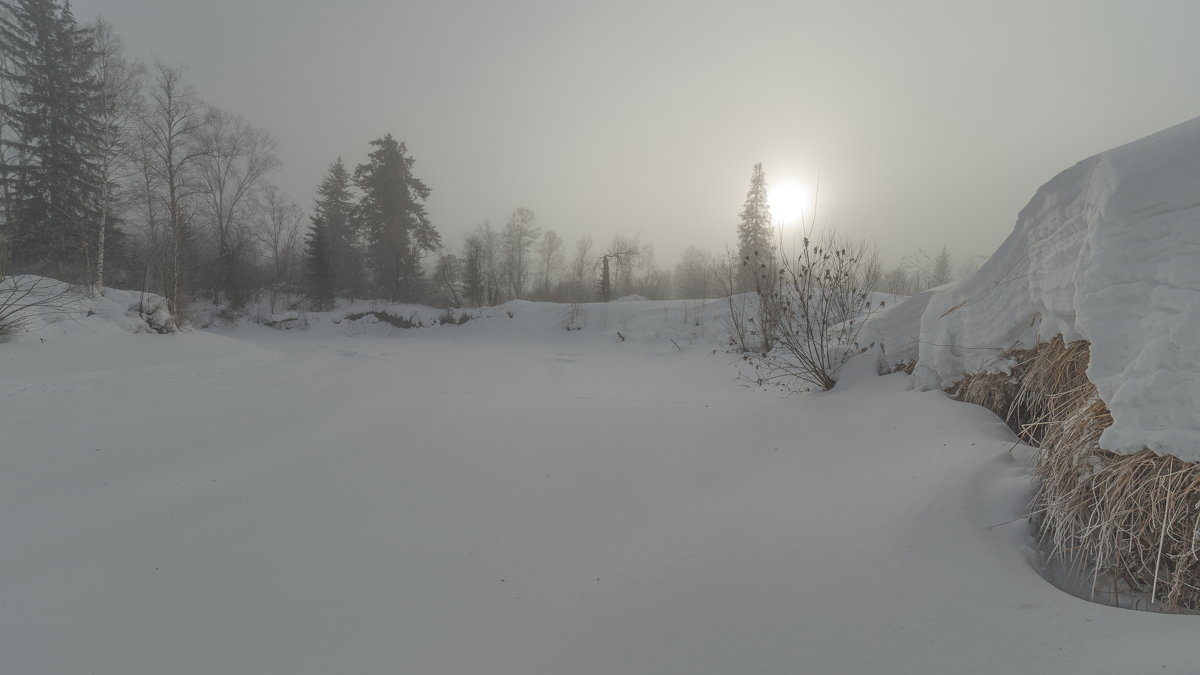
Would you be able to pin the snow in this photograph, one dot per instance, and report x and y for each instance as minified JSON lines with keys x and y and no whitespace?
{"x":675,"y":324}
{"x":1107,"y":251}
{"x":47,"y":306}
{"x":507,"y":496}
